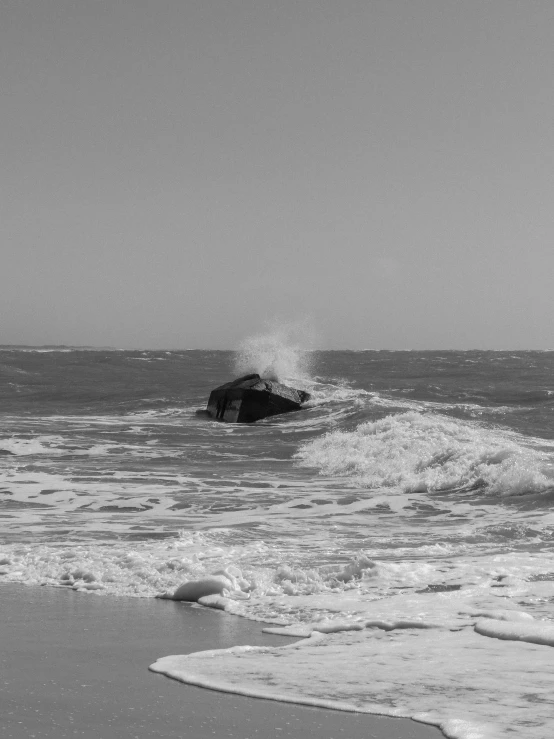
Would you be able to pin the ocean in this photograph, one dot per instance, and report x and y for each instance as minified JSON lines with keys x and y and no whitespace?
{"x":400,"y":522}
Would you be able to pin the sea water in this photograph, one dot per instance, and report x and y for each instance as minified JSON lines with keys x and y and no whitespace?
{"x":401,"y":522}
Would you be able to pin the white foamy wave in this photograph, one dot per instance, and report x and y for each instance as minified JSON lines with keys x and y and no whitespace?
{"x":426,"y":452}
{"x":145,"y":569}
{"x":187,"y":568}
{"x":259,"y":581}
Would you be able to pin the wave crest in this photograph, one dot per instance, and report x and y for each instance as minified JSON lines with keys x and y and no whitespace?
{"x":424,"y":452}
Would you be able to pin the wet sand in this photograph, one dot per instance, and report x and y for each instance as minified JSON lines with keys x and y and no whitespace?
{"x":76,"y":665}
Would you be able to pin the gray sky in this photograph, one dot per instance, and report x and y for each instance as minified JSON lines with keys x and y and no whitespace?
{"x":176,"y":172}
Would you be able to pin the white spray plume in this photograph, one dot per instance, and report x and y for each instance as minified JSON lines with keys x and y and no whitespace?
{"x":282,"y":353}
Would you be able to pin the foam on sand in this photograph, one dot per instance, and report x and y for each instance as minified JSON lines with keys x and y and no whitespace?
{"x":382,"y":672}
{"x":537,"y":632}
{"x":194,"y":590}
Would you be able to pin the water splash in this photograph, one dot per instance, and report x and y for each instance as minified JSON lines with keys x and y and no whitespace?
{"x":283,"y":353}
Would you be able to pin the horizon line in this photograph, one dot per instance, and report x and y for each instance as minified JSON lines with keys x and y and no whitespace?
{"x":90,"y":347}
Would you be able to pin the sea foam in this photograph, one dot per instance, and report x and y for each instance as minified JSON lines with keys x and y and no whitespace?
{"x":425,"y":452}
{"x":437,"y":676}
{"x":537,"y":632}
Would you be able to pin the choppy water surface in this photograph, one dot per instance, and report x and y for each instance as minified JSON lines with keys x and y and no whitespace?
{"x":414,"y":490}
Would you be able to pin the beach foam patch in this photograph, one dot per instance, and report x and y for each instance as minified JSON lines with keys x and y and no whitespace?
{"x":538,"y":632}
{"x":470,"y":687}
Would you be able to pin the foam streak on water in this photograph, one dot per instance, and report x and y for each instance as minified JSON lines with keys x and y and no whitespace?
{"x":401,"y":521}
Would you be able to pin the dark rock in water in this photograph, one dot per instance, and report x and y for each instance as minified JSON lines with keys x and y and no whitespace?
{"x":251,"y":398}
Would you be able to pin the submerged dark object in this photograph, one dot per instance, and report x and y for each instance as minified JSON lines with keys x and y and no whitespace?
{"x":251,"y":398}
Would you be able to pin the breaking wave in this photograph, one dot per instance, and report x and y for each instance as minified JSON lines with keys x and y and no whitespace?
{"x":425,"y":452}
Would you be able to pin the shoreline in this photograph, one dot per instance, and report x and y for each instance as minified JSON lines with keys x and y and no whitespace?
{"x":76,"y":665}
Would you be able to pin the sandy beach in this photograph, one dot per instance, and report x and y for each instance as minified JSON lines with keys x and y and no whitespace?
{"x":76,"y":665}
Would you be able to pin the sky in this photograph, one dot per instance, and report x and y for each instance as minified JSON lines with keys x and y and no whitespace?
{"x":178,"y":173}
